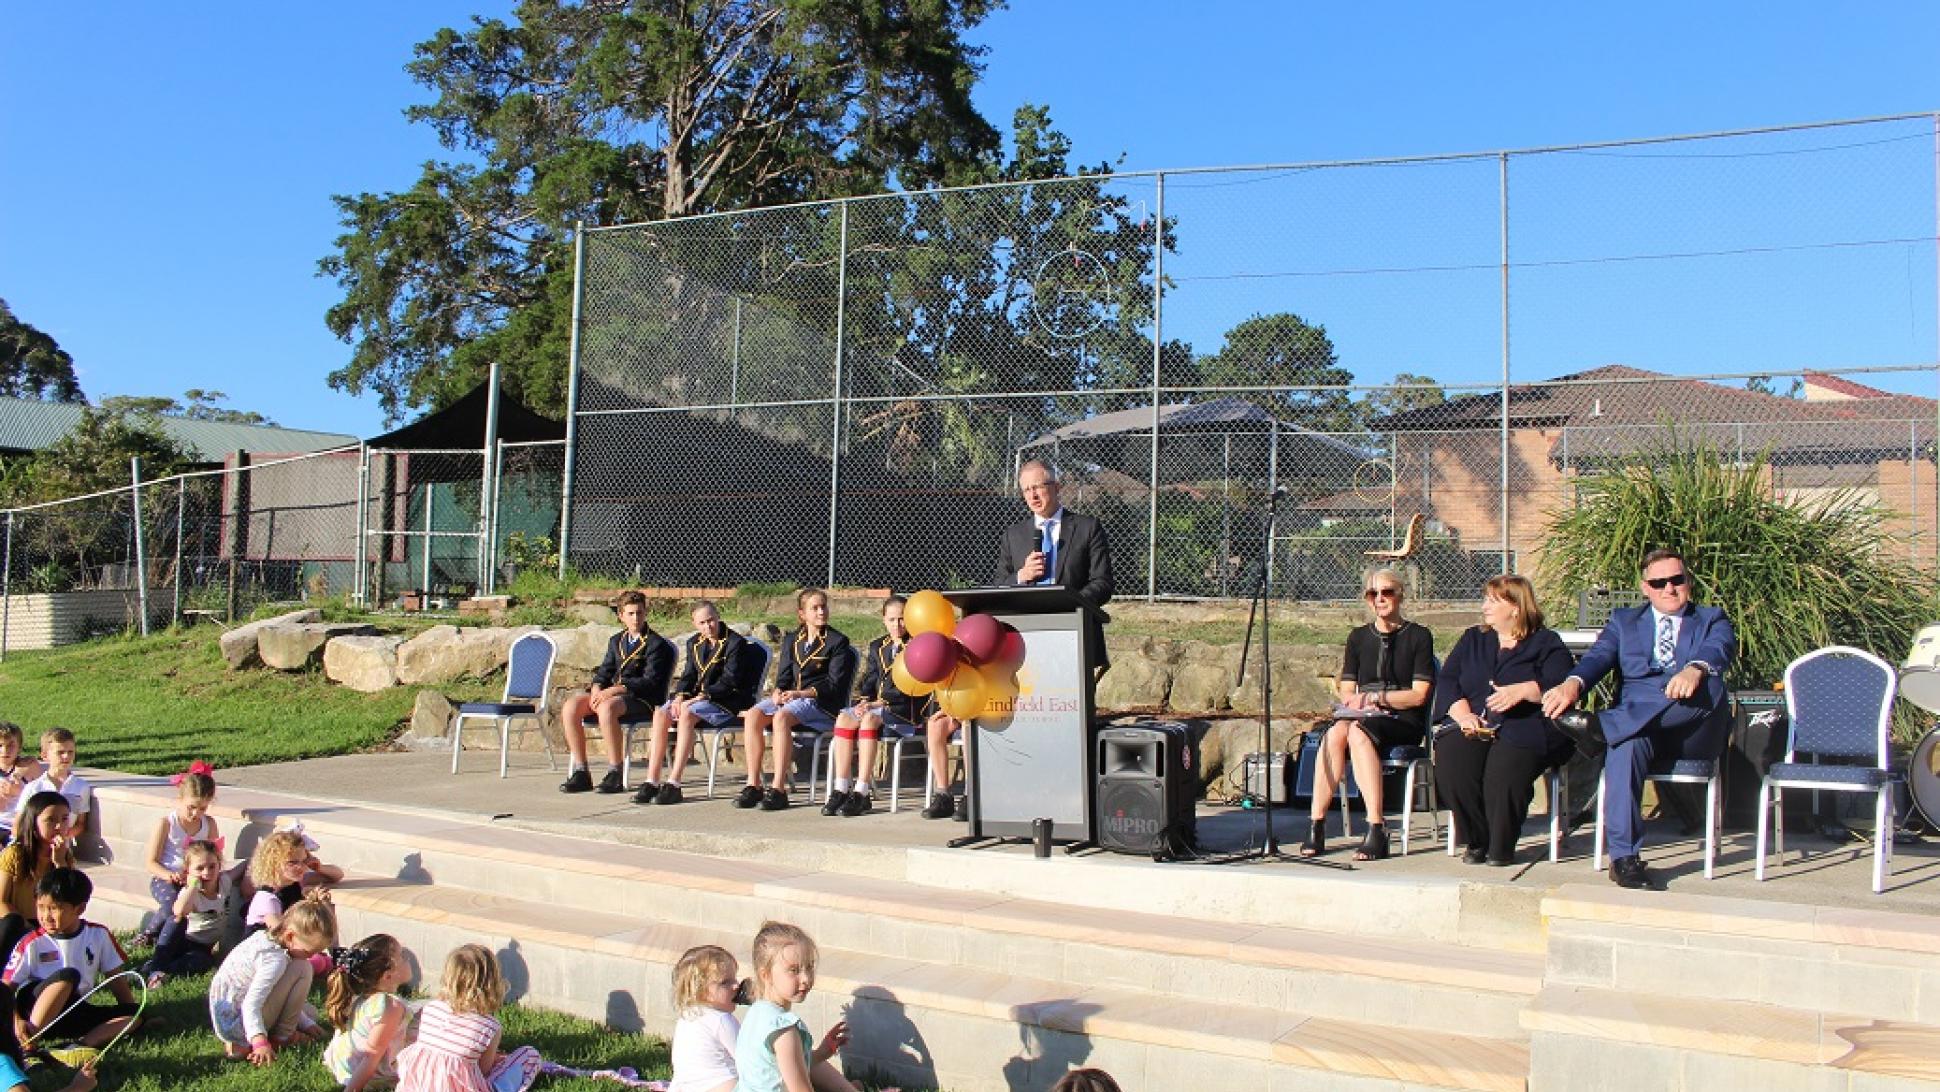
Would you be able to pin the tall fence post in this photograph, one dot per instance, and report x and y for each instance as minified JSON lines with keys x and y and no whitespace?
{"x":181,"y":524}
{"x":835,"y":415}
{"x":1158,"y":356}
{"x":141,"y":561}
{"x":1502,"y":160}
{"x":488,"y":487}
{"x":572,"y":395}
{"x":238,"y":528}
{"x":6,"y":587}
{"x":360,"y":551}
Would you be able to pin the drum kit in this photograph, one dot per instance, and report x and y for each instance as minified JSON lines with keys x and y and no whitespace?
{"x":1920,"y":684}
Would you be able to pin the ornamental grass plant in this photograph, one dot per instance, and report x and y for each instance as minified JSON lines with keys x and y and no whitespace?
{"x":1794,"y":571}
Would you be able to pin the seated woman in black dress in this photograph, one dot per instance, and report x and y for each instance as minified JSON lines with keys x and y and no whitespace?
{"x":1383,"y":688}
{"x":1498,"y":742}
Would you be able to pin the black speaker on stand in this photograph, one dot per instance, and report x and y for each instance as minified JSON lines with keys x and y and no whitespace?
{"x":1145,"y":789}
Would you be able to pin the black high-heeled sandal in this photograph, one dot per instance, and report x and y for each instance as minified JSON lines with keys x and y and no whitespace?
{"x":1316,"y":843}
{"x":1374,"y":846}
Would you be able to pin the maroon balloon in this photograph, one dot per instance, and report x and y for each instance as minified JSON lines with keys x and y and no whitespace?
{"x":980,"y":635}
{"x":930,"y":657}
{"x":1010,"y":647}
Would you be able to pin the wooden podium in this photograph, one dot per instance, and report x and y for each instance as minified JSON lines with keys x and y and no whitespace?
{"x":1037,"y":762}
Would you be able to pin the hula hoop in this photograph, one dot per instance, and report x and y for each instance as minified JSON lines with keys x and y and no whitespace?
{"x":140,"y":1007}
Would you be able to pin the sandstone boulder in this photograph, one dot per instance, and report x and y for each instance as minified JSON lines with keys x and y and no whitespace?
{"x":430,"y":722}
{"x":598,"y":614}
{"x":443,"y":653}
{"x":239,"y":644}
{"x":1199,"y":688}
{"x":294,"y":646}
{"x":581,"y":647}
{"x":1134,"y":683}
{"x":362,"y":663}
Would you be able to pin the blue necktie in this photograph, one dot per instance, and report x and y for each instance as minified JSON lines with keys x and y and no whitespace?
{"x":1050,"y":548}
{"x":1666,"y":641}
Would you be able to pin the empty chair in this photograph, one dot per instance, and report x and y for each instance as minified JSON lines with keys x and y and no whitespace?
{"x":1840,"y":701}
{"x":528,"y":679}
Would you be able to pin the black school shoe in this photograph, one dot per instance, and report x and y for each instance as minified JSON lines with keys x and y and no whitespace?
{"x":858,"y":803}
{"x":941,"y":806}
{"x":749,"y":796}
{"x":669,"y":794}
{"x":774,"y":800}
{"x":835,"y":802}
{"x":612,"y":782}
{"x":577,"y":781}
{"x":647,"y":793}
{"x":1629,"y":873}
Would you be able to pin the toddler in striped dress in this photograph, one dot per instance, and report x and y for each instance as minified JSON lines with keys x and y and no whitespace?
{"x":457,"y":1049}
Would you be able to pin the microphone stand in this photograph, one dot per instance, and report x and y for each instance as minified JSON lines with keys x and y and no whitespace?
{"x":1262,"y":611}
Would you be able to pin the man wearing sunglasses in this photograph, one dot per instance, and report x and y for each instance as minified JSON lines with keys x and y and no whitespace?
{"x":1670,"y":657}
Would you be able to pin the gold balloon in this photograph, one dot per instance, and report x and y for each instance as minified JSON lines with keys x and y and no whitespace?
{"x":963,"y":696}
{"x":928,"y":612}
{"x":906,"y":682}
{"x":999,"y":690}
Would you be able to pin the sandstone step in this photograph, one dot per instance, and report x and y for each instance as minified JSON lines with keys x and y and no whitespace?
{"x":947,"y":1026}
{"x":1411,"y":984}
{"x":1860,"y":962}
{"x":1584,"y":1038}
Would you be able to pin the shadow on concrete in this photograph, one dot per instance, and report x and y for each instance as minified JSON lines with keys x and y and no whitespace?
{"x":623,"y":1012}
{"x":884,"y":1042}
{"x":1054,"y":1043}
{"x":518,"y":976}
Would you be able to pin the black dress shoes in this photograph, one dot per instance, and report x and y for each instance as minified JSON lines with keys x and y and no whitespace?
{"x":577,"y":781}
{"x":1629,"y":872}
{"x":612,"y":782}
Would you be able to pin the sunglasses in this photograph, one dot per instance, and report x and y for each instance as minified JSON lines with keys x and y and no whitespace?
{"x":1382,"y":593}
{"x":1663,"y":582}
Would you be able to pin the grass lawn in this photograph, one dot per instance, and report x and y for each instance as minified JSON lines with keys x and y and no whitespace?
{"x":184,"y":1052}
{"x":153,"y":704}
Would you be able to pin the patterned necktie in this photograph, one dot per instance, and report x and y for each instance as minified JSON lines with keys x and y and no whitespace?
{"x":1050,"y":548}
{"x":1666,"y":641}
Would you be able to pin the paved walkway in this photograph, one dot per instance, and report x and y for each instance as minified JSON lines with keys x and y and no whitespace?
{"x":874,"y":844}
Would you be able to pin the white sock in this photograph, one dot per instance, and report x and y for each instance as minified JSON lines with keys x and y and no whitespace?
{"x":865,"y":788}
{"x":841,"y":784}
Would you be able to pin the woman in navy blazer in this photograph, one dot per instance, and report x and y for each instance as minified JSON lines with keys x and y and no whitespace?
{"x":1492,"y":741}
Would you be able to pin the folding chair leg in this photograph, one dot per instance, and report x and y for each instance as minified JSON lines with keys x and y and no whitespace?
{"x":1764,"y":820}
{"x":457,"y":730}
{"x":1596,"y":848}
{"x":1882,"y":841}
{"x":504,"y":744}
{"x":1555,"y":779}
{"x":1710,"y":826}
{"x":713,"y":759}
{"x":895,"y":773}
{"x":1778,"y":821}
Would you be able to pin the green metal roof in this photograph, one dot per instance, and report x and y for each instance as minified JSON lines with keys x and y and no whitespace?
{"x":27,"y":425}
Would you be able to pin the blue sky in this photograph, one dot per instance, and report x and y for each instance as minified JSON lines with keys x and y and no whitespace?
{"x":169,"y":169}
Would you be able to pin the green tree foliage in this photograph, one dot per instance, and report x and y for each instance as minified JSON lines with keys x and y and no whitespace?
{"x":65,"y":544}
{"x":1405,"y":392}
{"x":195,"y":405}
{"x":1793,"y":575}
{"x":622,"y":111}
{"x":1284,"y":350}
{"x":32,"y":364}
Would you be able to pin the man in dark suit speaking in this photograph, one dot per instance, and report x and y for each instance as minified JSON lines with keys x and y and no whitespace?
{"x":1670,"y":658}
{"x":1056,"y":546}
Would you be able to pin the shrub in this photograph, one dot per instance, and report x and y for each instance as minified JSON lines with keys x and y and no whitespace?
{"x":1793,"y":575}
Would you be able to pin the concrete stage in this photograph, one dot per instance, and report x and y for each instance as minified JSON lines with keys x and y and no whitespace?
{"x":987,"y":969}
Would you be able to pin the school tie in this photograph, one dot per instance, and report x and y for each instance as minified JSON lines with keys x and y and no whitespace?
{"x":1666,"y":641}
{"x":1050,"y":548}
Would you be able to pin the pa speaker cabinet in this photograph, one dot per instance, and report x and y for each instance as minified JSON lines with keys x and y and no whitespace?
{"x":1146,"y":788}
{"x":1300,"y":777}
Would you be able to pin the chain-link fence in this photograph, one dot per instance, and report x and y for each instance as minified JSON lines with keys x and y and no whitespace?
{"x":218,"y":543}
{"x":842,"y":392}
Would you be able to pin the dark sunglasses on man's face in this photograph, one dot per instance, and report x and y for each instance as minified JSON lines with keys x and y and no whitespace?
{"x":1382,"y":593}
{"x":1675,"y":581}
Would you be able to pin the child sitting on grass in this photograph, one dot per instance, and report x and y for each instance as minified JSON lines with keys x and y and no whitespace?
{"x":40,"y":845}
{"x":13,"y":1061}
{"x":458,"y":1037}
{"x":364,"y":1008}
{"x":58,"y":963}
{"x":197,"y":919}
{"x":256,"y":999}
{"x":772,"y":1052}
{"x":195,"y":790}
{"x":706,"y":982}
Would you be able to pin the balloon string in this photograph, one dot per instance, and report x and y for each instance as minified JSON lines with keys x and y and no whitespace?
{"x":140,"y":1007}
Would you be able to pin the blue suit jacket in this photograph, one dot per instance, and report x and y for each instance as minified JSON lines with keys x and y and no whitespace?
{"x":1625,"y":646}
